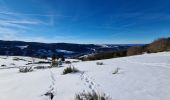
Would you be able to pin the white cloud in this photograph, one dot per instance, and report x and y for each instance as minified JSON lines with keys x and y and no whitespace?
{"x":13,"y":25}
{"x":16,"y":26}
{"x":20,"y":21}
{"x":29,"y":14}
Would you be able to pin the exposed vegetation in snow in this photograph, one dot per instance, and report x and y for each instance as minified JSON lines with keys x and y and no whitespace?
{"x":143,"y":77}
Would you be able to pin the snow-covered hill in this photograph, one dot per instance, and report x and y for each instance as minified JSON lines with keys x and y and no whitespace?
{"x":36,"y":49}
{"x":142,"y":77}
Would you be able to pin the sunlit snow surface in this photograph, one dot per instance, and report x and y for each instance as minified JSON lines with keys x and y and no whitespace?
{"x":142,"y":77}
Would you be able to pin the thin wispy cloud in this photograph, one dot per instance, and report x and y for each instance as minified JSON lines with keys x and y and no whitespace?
{"x":29,"y":14}
{"x":83,"y":21}
{"x":15,"y":37}
{"x":13,"y":24}
{"x":20,"y":21}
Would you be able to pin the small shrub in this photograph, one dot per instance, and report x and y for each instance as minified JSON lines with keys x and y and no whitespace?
{"x":28,"y":63}
{"x":17,"y":59}
{"x":25,"y":69}
{"x":3,"y":65}
{"x":75,"y":61}
{"x":54,"y":57}
{"x":54,"y":64}
{"x":99,"y":63}
{"x":116,"y":71}
{"x":91,"y":96}
{"x":42,"y":62}
{"x":42,"y":67}
{"x":12,"y":64}
{"x":70,"y":70}
{"x":67,"y":62}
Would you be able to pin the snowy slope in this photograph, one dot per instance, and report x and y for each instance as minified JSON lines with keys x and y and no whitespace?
{"x":16,"y":61}
{"x":142,"y":77}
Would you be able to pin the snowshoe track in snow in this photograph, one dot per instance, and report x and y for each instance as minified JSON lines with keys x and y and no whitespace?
{"x":88,"y":81}
{"x":49,"y":95}
{"x":92,"y":85}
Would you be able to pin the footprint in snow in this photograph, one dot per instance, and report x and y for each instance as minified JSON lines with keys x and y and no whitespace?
{"x":90,"y":86}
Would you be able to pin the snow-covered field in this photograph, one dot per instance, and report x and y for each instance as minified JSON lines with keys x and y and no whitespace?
{"x":142,"y":77}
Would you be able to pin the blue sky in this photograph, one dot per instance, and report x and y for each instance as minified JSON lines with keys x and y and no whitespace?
{"x":85,"y":21}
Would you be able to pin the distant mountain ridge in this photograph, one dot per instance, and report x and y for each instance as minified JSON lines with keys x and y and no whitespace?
{"x":37,"y":49}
